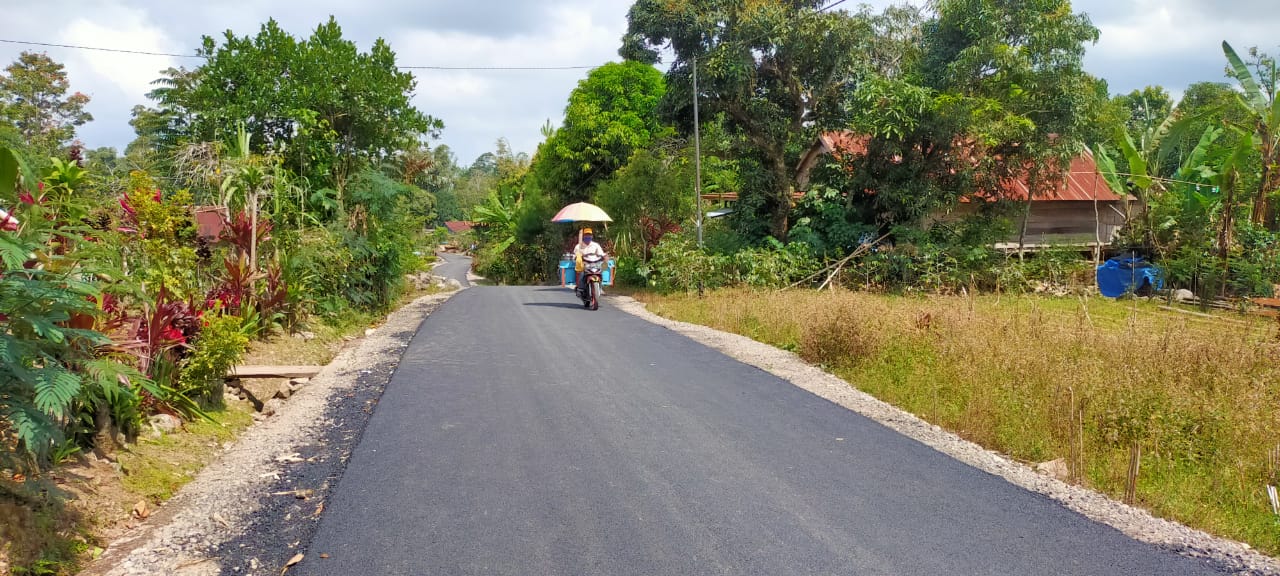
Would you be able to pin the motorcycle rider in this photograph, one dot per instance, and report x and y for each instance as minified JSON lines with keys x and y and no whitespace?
{"x":586,"y":245}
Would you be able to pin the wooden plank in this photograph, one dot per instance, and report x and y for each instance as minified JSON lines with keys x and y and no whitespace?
{"x":274,"y":371}
{"x":1268,"y":302}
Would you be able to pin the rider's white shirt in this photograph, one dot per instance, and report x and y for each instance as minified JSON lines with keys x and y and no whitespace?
{"x":592,"y":248}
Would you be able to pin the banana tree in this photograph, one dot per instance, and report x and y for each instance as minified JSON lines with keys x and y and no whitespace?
{"x":1262,"y":108}
{"x":499,"y":220}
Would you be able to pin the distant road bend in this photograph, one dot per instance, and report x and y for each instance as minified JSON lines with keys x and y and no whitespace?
{"x":523,"y":435}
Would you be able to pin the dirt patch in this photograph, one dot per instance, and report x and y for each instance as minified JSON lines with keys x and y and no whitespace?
{"x":1137,"y":523}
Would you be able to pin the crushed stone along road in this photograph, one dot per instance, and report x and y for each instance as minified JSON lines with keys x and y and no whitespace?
{"x":246,"y":512}
{"x":522,"y":434}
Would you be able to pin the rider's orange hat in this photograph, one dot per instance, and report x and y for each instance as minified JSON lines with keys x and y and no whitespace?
{"x":586,"y":231}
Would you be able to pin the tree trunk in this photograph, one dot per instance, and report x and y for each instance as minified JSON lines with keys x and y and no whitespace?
{"x":778,"y":227}
{"x":781,"y":184}
{"x":104,"y":436}
{"x":1022,"y":231}
{"x":1228,"y":219}
{"x":1261,"y":216}
{"x":807,"y":163}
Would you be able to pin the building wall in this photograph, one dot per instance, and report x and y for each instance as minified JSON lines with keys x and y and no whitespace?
{"x":1061,"y":221}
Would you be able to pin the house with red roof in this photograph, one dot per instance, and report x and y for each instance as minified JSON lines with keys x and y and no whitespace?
{"x":458,"y":226}
{"x":1082,"y":210}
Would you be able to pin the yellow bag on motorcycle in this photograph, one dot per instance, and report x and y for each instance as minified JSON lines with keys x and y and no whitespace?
{"x":578,"y":266}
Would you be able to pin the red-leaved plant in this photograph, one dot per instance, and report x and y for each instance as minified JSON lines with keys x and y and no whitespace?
{"x":238,"y":232}
{"x":275,"y":296}
{"x":165,"y":328}
{"x":236,"y":290}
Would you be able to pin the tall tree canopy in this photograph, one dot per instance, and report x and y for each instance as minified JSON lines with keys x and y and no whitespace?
{"x":34,"y":101}
{"x":324,"y":105}
{"x":999,"y":93}
{"x":778,"y":70}
{"x":611,"y":114}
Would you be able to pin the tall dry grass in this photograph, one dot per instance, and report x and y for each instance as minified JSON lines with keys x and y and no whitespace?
{"x":1194,"y":402}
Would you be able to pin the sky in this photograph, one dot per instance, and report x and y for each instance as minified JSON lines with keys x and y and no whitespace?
{"x":1172,"y":43}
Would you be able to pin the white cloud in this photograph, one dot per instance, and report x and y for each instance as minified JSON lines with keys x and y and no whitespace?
{"x":478,"y":107}
{"x":125,"y":29}
{"x":1171,"y":43}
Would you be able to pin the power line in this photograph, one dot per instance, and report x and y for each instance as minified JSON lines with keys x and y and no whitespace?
{"x":172,"y":55}
{"x":99,"y":49}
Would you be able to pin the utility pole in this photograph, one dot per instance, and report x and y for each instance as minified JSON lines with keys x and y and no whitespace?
{"x":697,"y":151}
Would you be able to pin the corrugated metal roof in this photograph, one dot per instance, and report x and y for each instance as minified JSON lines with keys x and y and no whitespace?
{"x":1082,"y":182}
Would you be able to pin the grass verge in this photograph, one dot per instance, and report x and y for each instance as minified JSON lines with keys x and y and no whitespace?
{"x":1099,"y":384}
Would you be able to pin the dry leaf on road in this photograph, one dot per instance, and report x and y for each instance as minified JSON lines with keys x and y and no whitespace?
{"x":140,"y":510}
{"x":292,"y":561}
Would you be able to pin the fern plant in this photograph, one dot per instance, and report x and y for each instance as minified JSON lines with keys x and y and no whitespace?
{"x":49,"y":360}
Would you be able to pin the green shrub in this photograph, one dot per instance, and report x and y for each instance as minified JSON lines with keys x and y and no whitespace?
{"x":678,"y":265}
{"x":775,"y":266}
{"x":220,"y":345}
{"x":383,"y":227}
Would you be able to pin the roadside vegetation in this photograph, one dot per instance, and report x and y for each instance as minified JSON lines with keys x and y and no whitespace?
{"x":238,"y":220}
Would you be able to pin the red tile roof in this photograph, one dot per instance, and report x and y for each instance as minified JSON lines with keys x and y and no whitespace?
{"x":1083,"y":181}
{"x":458,"y":226}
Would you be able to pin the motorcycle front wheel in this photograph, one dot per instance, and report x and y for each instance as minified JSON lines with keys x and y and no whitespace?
{"x":595,"y":295}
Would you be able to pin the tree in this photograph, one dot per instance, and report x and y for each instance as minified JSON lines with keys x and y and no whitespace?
{"x":779,"y":71}
{"x":999,"y":94}
{"x":323,"y":105}
{"x":34,"y":100}
{"x":647,"y":198}
{"x":171,"y":124}
{"x":1258,"y":101}
{"x":486,"y":163}
{"x":1203,"y":105}
{"x":611,"y":114}
{"x":1147,"y":107}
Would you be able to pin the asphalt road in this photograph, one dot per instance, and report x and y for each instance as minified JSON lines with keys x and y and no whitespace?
{"x":454,"y":266}
{"x":524,"y":435}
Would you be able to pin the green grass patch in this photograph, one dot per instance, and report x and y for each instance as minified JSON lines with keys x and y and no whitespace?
{"x":155,"y":468}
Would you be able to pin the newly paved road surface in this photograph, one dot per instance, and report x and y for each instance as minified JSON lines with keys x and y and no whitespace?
{"x":523,"y":435}
{"x":455,"y":266}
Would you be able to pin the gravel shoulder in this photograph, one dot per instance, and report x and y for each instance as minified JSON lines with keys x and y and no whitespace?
{"x":252,"y":509}
{"x":1139,"y":524}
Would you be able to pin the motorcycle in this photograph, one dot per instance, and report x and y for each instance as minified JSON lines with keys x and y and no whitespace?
{"x":592,"y":280}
